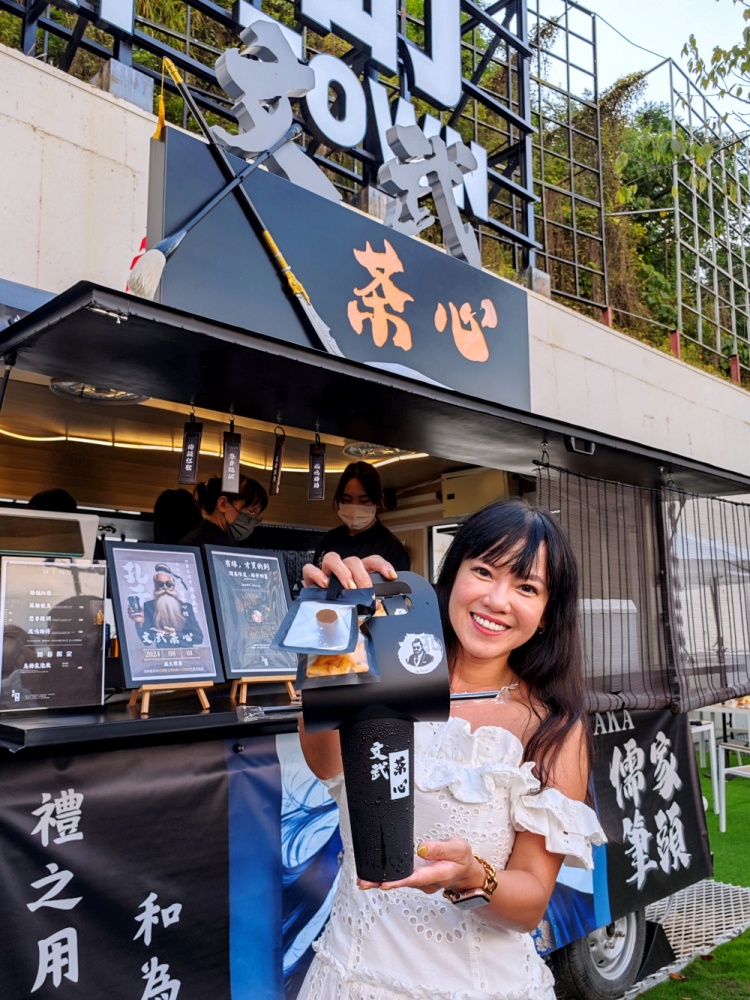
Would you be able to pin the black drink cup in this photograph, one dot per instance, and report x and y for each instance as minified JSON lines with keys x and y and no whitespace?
{"x":376,"y":724}
{"x":378,"y":756}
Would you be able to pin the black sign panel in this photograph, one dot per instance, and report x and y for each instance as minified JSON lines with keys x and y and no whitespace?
{"x":230,"y":471}
{"x":52,"y":631}
{"x":191,"y":446}
{"x":316,"y":484}
{"x":649,"y":801}
{"x":251,"y":597}
{"x":278,"y":464}
{"x":390,"y":301}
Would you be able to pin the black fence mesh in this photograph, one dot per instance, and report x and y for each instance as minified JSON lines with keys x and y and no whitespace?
{"x":612,"y":528}
{"x":707,"y":565}
{"x":665,"y":591}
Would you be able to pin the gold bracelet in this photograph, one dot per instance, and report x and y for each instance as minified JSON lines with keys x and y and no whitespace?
{"x":469,"y":898}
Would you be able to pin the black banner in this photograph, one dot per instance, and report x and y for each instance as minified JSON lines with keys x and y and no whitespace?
{"x":278,"y":459}
{"x":230,"y":470}
{"x":191,"y":446}
{"x":115,"y":869}
{"x":94,"y":913}
{"x":650,"y":804}
{"x":316,"y":486}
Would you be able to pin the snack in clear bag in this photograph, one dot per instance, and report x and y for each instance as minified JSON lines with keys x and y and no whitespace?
{"x":339,"y":664}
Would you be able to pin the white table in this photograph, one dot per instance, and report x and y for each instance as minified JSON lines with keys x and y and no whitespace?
{"x":705,"y":728}
{"x":739,"y":770}
{"x":736,"y":717}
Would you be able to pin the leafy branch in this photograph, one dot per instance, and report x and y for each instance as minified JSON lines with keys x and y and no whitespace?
{"x":727,"y":71}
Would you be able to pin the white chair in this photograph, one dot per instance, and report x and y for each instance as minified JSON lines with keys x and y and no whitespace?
{"x":738,"y":770}
{"x":702,"y":730}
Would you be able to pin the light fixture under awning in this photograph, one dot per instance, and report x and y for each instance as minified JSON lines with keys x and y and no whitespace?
{"x":80,"y":392}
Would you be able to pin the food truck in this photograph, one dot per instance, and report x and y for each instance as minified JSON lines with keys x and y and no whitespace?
{"x":178,"y":843}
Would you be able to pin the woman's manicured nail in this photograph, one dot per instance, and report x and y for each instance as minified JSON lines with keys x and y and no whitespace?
{"x":423,"y":851}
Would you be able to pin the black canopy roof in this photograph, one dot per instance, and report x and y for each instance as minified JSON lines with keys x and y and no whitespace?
{"x":107,"y":338}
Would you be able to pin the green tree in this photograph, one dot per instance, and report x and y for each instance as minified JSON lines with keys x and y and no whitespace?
{"x":726,"y":72}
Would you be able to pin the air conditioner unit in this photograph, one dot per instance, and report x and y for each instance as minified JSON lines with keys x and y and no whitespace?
{"x":465,"y":492}
{"x":611,"y":644}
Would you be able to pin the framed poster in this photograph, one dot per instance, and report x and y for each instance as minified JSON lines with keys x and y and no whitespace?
{"x":251,"y":597}
{"x":52,"y":629}
{"x":162,"y":613}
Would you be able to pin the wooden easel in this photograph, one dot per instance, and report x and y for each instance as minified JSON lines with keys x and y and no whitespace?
{"x":241,"y":683}
{"x":146,"y":690}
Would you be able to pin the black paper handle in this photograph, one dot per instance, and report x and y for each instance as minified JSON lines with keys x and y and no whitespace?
{"x":335,"y":588}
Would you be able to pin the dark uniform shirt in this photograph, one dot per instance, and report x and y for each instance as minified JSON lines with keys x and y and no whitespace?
{"x":207,"y":533}
{"x":374,"y":541}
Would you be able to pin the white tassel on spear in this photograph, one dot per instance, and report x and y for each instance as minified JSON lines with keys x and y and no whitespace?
{"x":148,"y":269}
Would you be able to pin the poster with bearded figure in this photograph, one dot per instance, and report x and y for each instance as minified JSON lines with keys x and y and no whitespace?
{"x":160,"y":601}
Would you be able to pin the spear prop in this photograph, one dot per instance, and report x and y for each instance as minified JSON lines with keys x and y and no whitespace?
{"x":148,"y":269}
{"x":295,"y":286}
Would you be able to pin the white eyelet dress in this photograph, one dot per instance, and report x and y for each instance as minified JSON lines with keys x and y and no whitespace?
{"x":406,"y":945}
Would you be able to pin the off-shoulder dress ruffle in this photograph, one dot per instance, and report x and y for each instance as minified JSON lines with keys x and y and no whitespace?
{"x":405,"y":945}
{"x":473,"y":765}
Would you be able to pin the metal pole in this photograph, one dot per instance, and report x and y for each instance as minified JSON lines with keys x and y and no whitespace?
{"x":676,"y":206}
{"x":10,"y":360}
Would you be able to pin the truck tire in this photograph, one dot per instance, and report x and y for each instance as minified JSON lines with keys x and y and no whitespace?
{"x":604,"y":964}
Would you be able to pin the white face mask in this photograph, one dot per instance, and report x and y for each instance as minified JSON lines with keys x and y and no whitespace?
{"x":357,"y":516}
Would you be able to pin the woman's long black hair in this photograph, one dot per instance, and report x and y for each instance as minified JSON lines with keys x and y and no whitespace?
{"x":511,"y":532}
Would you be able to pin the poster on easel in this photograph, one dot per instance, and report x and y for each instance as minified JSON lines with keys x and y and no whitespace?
{"x":52,"y":633}
{"x":251,"y":597}
{"x":162,"y":613}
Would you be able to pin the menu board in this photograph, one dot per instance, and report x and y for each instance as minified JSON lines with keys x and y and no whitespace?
{"x":52,"y":627}
{"x":251,"y":597}
{"x":161,"y":609}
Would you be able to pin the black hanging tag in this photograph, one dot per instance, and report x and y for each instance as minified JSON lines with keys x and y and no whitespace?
{"x":278,"y":458}
{"x":230,"y":472}
{"x":316,"y":484}
{"x":191,"y":446}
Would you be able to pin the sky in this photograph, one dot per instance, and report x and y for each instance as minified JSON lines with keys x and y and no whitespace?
{"x":663,"y":26}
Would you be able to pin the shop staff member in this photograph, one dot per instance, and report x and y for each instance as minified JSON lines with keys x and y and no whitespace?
{"x":357,"y":501}
{"x":228,"y":518}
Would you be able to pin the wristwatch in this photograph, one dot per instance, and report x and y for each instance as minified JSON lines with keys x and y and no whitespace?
{"x":470,"y":899}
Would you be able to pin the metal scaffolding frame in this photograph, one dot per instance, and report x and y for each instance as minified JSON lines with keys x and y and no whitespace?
{"x":495,"y":107}
{"x":530,"y":97}
{"x":710,"y":205}
{"x":567,"y":151}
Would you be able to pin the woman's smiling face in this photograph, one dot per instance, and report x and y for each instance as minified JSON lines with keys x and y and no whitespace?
{"x":494,"y":611}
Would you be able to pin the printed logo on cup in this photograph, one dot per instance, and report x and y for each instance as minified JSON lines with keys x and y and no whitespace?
{"x":420,"y":652}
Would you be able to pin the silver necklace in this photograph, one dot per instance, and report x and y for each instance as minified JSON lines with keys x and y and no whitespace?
{"x":503,"y":695}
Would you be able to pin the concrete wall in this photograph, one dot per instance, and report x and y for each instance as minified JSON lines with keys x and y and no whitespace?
{"x":74,"y":170}
{"x":596,"y":378}
{"x":74,"y":164}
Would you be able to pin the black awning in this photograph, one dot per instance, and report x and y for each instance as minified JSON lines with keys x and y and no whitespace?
{"x":111,"y":339}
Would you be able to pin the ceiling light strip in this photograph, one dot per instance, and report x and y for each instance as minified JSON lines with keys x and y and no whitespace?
{"x":173,"y":448}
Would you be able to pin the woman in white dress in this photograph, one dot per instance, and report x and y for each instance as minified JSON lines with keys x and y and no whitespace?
{"x":499,"y":787}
